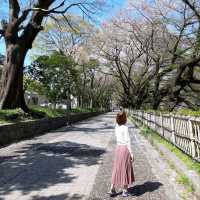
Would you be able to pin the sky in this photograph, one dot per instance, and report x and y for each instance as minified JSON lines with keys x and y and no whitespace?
{"x":115,"y":6}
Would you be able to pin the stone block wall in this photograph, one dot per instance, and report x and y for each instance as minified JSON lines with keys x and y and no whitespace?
{"x":14,"y":132}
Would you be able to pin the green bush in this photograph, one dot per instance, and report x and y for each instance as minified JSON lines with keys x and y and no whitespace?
{"x":188,"y":112}
{"x":12,"y":115}
{"x":49,"y":112}
{"x":16,"y":115}
{"x":84,"y":110}
{"x":183,"y":111}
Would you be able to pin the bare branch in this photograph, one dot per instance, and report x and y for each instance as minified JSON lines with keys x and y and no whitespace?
{"x":54,"y":10}
{"x":69,"y":23}
{"x":192,"y":7}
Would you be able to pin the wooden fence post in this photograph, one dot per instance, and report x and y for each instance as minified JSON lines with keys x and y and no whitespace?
{"x":138,"y":114}
{"x":146,"y":118}
{"x":150,"y":120}
{"x":162,"y":129}
{"x":191,"y":137}
{"x":154,"y":121}
{"x":172,"y":129}
{"x":142,"y":117}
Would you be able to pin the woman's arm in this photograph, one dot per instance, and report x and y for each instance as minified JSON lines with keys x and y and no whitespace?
{"x":128,"y":140}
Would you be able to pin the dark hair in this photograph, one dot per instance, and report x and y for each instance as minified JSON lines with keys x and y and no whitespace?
{"x":121,"y":118}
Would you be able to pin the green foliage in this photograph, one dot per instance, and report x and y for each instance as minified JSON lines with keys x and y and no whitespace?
{"x":184,"y":180}
{"x":57,"y":76}
{"x":184,"y":112}
{"x":92,"y":64}
{"x":85,"y":110}
{"x":188,"y":112}
{"x":33,"y":85}
{"x":53,"y":76}
{"x":9,"y":116}
{"x":50,"y":112}
{"x":17,"y":115}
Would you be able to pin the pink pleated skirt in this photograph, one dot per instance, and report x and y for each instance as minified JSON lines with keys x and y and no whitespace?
{"x":122,"y":173}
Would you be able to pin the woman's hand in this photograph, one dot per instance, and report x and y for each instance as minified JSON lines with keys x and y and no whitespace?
{"x":132,"y":158}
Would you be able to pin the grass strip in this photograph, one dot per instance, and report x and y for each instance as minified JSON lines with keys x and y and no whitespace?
{"x":184,"y":180}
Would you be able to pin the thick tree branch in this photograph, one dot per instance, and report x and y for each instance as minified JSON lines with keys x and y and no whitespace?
{"x":192,"y":62}
{"x":2,"y":32}
{"x":14,"y":10}
{"x":23,"y":17}
{"x":195,"y":81}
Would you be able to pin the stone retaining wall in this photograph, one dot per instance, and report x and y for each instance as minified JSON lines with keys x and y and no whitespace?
{"x":22,"y":130}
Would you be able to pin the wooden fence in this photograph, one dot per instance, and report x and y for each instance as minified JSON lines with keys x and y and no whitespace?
{"x":182,"y":131}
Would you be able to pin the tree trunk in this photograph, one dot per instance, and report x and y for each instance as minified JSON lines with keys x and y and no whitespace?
{"x":11,"y":87}
{"x":69,"y":106}
{"x":79,"y":101}
{"x":156,"y":103}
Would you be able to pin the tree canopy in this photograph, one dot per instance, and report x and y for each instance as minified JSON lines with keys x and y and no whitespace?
{"x":56,"y":73}
{"x":152,"y":48}
{"x":20,"y":25}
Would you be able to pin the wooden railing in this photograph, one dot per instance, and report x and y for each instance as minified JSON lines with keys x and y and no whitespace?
{"x":182,"y":131}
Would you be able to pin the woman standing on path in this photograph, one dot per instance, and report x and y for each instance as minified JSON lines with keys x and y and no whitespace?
{"x":122,"y":174}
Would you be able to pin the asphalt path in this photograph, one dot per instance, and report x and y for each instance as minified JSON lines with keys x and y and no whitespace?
{"x":59,"y":165}
{"x":75,"y":163}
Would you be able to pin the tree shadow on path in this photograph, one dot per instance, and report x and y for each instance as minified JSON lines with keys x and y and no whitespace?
{"x":148,"y":186}
{"x":139,"y":190}
{"x":44,"y":165}
{"x":59,"y":197}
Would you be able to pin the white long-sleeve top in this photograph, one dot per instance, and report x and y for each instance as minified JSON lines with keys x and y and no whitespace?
{"x":122,"y":136}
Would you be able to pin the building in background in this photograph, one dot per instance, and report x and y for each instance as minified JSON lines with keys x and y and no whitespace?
{"x":32,"y":98}
{"x":74,"y":101}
